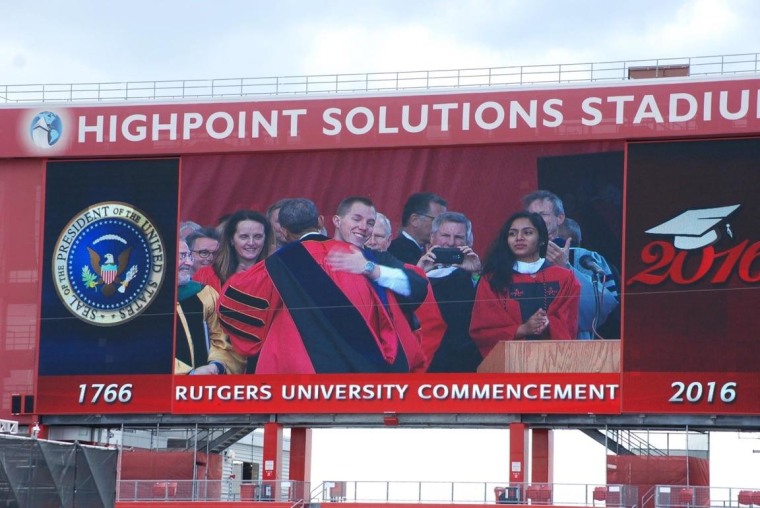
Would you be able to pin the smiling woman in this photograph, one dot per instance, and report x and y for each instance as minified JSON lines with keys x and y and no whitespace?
{"x":244,"y":242}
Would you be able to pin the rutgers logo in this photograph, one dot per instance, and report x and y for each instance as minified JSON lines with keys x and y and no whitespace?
{"x":691,"y":255}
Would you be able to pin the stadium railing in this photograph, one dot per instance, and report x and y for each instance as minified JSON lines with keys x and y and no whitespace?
{"x":378,"y":82}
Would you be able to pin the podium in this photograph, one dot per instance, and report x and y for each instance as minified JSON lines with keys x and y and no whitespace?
{"x":555,"y":356}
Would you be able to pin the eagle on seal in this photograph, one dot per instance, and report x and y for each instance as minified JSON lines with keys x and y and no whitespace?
{"x":109,"y":271}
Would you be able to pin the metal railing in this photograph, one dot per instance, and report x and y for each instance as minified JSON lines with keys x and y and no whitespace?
{"x":608,"y":496}
{"x":212,"y":490}
{"x":548,"y":494}
{"x":619,"y":496}
{"x":685,"y":496}
{"x":375,"y":82}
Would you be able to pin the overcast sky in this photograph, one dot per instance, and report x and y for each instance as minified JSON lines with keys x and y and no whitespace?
{"x":94,"y":41}
{"x":77,"y":41}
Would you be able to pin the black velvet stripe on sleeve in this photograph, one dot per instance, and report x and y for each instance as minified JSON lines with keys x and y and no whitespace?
{"x":232,"y":330}
{"x":239,"y":316}
{"x":246,"y":299}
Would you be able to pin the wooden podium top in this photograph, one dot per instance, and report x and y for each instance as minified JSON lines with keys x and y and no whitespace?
{"x":540,"y":356}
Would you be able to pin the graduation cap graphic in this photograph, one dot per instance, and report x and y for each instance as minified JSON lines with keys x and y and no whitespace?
{"x":694,"y":229}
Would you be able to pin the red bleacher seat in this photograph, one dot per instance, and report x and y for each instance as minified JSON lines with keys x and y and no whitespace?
{"x":745,"y":497}
{"x":756,"y":497}
{"x":539,"y":494}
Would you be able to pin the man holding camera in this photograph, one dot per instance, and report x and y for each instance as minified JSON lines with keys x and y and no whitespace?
{"x":452,"y":268}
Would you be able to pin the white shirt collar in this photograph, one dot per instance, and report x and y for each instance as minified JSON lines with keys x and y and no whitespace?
{"x":412,"y":239}
{"x":528,"y":268}
{"x":310,"y":233}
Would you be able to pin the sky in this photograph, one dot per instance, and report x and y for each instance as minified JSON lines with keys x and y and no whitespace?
{"x":82,"y":41}
{"x":87,"y":41}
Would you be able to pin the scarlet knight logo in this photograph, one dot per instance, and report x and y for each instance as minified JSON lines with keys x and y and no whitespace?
{"x":690,"y":255}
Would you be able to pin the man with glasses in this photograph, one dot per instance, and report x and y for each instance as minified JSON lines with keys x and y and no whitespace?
{"x":202,"y":347}
{"x":204,"y":244}
{"x":598,"y":297}
{"x":417,"y":218}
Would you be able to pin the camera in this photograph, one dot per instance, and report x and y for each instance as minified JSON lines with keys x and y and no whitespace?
{"x":448,"y":255}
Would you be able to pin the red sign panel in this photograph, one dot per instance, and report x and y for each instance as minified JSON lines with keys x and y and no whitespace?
{"x":692,"y":266}
{"x":626,"y":111}
{"x":425,"y":394}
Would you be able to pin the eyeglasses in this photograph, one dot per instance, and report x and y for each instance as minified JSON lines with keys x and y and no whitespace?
{"x":205,"y":253}
{"x":185,"y":255}
{"x":426,"y":215}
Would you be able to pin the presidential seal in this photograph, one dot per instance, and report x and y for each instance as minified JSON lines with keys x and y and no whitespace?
{"x":108,"y":264}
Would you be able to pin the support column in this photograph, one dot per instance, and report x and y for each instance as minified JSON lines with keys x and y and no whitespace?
{"x":272,"y":455}
{"x":300,"y":463}
{"x":542,"y":456}
{"x":518,"y":458}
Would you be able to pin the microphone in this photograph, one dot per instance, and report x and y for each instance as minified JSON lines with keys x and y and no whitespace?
{"x":588,"y":263}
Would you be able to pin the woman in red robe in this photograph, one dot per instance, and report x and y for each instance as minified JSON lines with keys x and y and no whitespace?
{"x":244,"y":242}
{"x":521,"y":295}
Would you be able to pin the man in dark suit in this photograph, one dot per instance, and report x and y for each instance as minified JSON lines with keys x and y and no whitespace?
{"x":420,"y":211}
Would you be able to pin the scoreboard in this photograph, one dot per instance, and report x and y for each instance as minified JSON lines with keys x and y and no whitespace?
{"x":662,"y":177}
